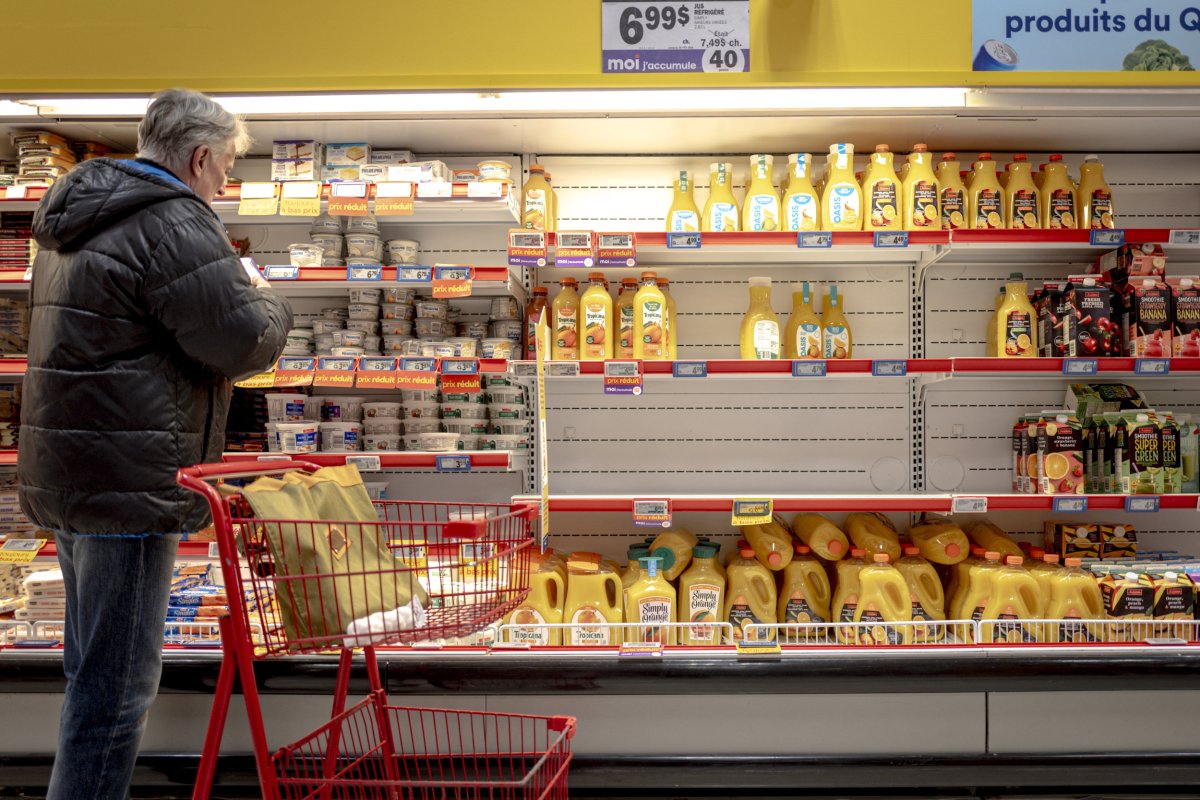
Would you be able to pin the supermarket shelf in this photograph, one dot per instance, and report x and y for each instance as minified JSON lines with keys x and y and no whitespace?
{"x":332,"y":281}
{"x":734,"y":367}
{"x":186,"y":550}
{"x":1053,"y":246}
{"x":8,"y":458}
{"x":13,"y":280}
{"x":297,"y":378}
{"x":1047,"y":367}
{"x":480,"y":459}
{"x":458,"y":208}
{"x":13,"y":366}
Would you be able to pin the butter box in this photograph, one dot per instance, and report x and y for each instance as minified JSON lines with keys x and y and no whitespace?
{"x":348,"y":154}
{"x":386,"y":157}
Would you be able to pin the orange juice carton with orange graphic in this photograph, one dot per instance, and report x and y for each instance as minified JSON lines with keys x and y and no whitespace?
{"x":1074,"y":539}
{"x":1060,"y":456}
{"x":1117,"y":541}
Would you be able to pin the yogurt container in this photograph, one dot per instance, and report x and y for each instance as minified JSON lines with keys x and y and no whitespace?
{"x":505,"y":308}
{"x":362,"y":261}
{"x":403,"y":252}
{"x":469,"y":441}
{"x":467,"y":427}
{"x":431,"y":309}
{"x":418,"y":396}
{"x":399,"y":294}
{"x":366,"y":296}
{"x":422,"y":425}
{"x":312,"y":408}
{"x":503,"y":441}
{"x":431,"y":328}
{"x":509,"y":426}
{"x":335,"y":314}
{"x":332,"y":244}
{"x":511,"y":395}
{"x":305,"y":254}
{"x":272,"y":430}
{"x":348,"y":352}
{"x":497,"y":348}
{"x":464,"y":411}
{"x":425,"y":410}
{"x":452,"y":315}
{"x":363,"y":311}
{"x":348,"y":338}
{"x":368,"y":326}
{"x":380,"y":409}
{"x":444,"y":350}
{"x":396,"y":327}
{"x":412,"y":348}
{"x":297,"y":352}
{"x":438,"y":442}
{"x":321,"y":326}
{"x":365,"y":224}
{"x":395,"y":344}
{"x":411,"y":441}
{"x":512,"y":329}
{"x":326,"y":223}
{"x":375,"y":426}
{"x":372,"y":345}
{"x":398,"y":311}
{"x":340,"y":437}
{"x":342,"y":409}
{"x":286,"y":407}
{"x":464,"y":347}
{"x":381,"y":442}
{"x":476,"y":397}
{"x":296,"y":437}
{"x":493,"y":170}
{"x":474,"y":330}
{"x":361,"y":245}
{"x":333,"y":261}
{"x":498,"y":411}
{"x":491,"y":379}
{"x":324,"y":343}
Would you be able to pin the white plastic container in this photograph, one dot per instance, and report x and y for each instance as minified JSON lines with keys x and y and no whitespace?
{"x":495,"y":170}
{"x":272,"y":430}
{"x":469,"y":441}
{"x":476,"y":397}
{"x":377,"y":426}
{"x":339,"y":314}
{"x":464,"y":411}
{"x":505,"y":308}
{"x":422,"y":425}
{"x":509,"y":395}
{"x":512,"y":329}
{"x":379,"y":410}
{"x":363,"y":311}
{"x":426,"y":410}
{"x":364,"y":224}
{"x":305,"y":254}
{"x":412,"y":441}
{"x":323,"y":326}
{"x":296,"y":437}
{"x":464,"y":347}
{"x":509,"y":426}
{"x":403,"y":252}
{"x":286,"y":407}
{"x":369,"y":296}
{"x":399,"y":294}
{"x":398,"y":311}
{"x":438,"y":442}
{"x":372,"y":345}
{"x":431,"y":309}
{"x":381,"y":442}
{"x":474,"y":330}
{"x":332,"y":245}
{"x":431,"y":328}
{"x":444,"y":350}
{"x":467,"y":427}
{"x":340,"y":437}
{"x":361,"y":245}
{"x":368,"y":326}
{"x":349,"y":352}
{"x":326,"y":223}
{"x":418,"y":396}
{"x":499,"y":411}
{"x":342,"y":409}
{"x":348,"y":338}
{"x":504,"y":441}
{"x":497,"y":348}
{"x":312,"y":408}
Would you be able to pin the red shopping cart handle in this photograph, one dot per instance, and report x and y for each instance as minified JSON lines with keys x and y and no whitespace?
{"x":465,"y":529}
{"x":212,"y":472}
{"x":562,"y":724}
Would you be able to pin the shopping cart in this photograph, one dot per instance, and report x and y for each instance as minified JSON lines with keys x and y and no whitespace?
{"x":473,"y":558}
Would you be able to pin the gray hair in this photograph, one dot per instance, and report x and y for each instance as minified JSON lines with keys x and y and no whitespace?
{"x":178,"y":121}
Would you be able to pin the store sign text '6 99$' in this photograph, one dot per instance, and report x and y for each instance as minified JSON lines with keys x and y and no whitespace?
{"x":617,"y":250}
{"x":640,"y":36}
{"x":526,"y":248}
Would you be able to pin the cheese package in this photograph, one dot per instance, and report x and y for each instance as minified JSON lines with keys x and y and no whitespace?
{"x":420,"y":172}
{"x":464,"y":176}
{"x":373,"y":172}
{"x":49,"y":151}
{"x":290,"y":149}
{"x":391,"y":157}
{"x":28,"y":162}
{"x":186,"y":613}
{"x":295,"y":169}
{"x":348,"y":154}
{"x":333,"y":174}
{"x":31,"y":138}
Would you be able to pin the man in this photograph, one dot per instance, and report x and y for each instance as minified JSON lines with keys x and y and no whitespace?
{"x":141,"y":315}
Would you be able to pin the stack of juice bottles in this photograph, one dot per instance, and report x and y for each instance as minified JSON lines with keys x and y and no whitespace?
{"x":591,"y":326}
{"x":806,"y":335}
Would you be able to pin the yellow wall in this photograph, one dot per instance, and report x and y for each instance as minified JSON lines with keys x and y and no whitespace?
{"x":144,"y":45}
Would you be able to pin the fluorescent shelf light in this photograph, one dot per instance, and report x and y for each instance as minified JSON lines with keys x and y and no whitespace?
{"x":10,"y":108}
{"x":600,"y":101}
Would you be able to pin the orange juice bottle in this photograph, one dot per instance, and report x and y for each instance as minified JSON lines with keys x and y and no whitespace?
{"x":960,"y":583}
{"x":952,"y":194}
{"x":922,"y":193}
{"x":760,"y":210}
{"x":801,"y":203}
{"x":1094,"y":199}
{"x":720,"y":211}
{"x":881,"y":193}
{"x":805,"y":594}
{"x":1022,"y":209}
{"x":837,"y":339}
{"x":940,"y":541}
{"x":772,"y":544}
{"x":750,"y":595}
{"x":538,"y":204}
{"x":1058,"y":196}
{"x":760,"y":339}
{"x":542,"y":606}
{"x":564,"y":328}
{"x":650,"y":321}
{"x":990,"y":537}
{"x":633,"y":569}
{"x":674,"y":549}
{"x":1075,"y":594}
{"x":842,"y":197}
{"x":1043,"y":568}
{"x":683,"y":214}
{"x":826,"y":539}
{"x":926,"y":592}
{"x":1016,"y":321}
{"x":873,"y":533}
{"x":802,"y":337}
{"x":596,"y":310}
{"x":1014,"y":596}
{"x":624,"y":318}
{"x":552,"y":213}
{"x":664,"y":286}
{"x":650,"y":603}
{"x":985,"y":196}
{"x":533,"y":313}
{"x":845,"y":594}
{"x":594,"y":598}
{"x":702,"y":597}
{"x":979,"y":586}
{"x":883,"y":597}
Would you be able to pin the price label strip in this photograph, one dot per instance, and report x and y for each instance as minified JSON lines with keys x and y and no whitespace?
{"x":819,"y":239}
{"x":461,"y":376}
{"x":683,"y":241}
{"x":414,"y":274}
{"x":755,"y":511}
{"x":623,"y":377}
{"x":364,"y":463}
{"x":756,"y":649}
{"x":290,"y":371}
{"x":1070,"y":505}
{"x":348,"y":199}
{"x":690,"y":369}
{"x":891,"y":238}
{"x":969,"y":505}
{"x":638,"y":36}
{"x":20,"y":551}
{"x":809,"y":369}
{"x":640,"y":650}
{"x":617,"y":250}
{"x":371,"y":273}
{"x":1142,"y":504}
{"x":1080,"y":366}
{"x":1185,"y":237}
{"x":1106,"y":238}
{"x":1152,"y":366}
{"x":652,"y":513}
{"x":258,"y":199}
{"x":453,"y":464}
{"x":394,"y":199}
{"x":335,"y":372}
{"x":889,"y":369}
{"x":300,"y":199}
{"x":281,"y":273}
{"x":575,"y":249}
{"x":526,"y":248}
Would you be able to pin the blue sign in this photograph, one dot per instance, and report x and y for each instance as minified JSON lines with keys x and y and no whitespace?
{"x":1152,"y":366}
{"x":814,"y":239}
{"x":690,"y":369}
{"x":1142,"y":504}
{"x":1101,"y":237}
{"x":1080,"y":366}
{"x":1067,"y":504}
{"x":891,"y":238}
{"x":364,"y":273}
{"x":889,"y":369}
{"x":688,"y":240}
{"x":808,"y":369}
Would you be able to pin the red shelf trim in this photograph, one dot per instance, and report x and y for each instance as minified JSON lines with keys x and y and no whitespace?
{"x":336,"y":274}
{"x":8,"y":458}
{"x":407,"y":460}
{"x":186,"y":549}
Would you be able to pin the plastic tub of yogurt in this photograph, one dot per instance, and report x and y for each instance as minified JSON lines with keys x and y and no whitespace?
{"x":369,"y":296}
{"x":381,"y":409}
{"x":374,"y":426}
{"x":381,"y":442}
{"x":286,"y":407}
{"x":498,"y":348}
{"x":438,"y":442}
{"x":305,"y":254}
{"x":342,"y":409}
{"x":296,"y":437}
{"x":422,"y":425}
{"x":340,"y":437}
{"x":464,"y":411}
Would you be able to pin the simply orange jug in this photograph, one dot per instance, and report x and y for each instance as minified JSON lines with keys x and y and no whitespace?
{"x":702,"y":597}
{"x":960,"y":583}
{"x":979,"y":586}
{"x":593,"y":598}
{"x":940,"y":541}
{"x":674,"y":549}
{"x":1014,"y":597}
{"x":805,"y":593}
{"x":633,"y":568}
{"x":846,"y":592}
{"x":772,"y":544}
{"x":883,"y":598}
{"x":542,"y":606}
{"x":873,"y":533}
{"x":826,"y":539}
{"x":1074,"y":594}
{"x":750,"y":596}
{"x":650,"y":604}
{"x":926,"y":592}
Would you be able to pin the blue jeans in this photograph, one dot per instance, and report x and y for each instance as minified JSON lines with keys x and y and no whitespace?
{"x":117,"y":591}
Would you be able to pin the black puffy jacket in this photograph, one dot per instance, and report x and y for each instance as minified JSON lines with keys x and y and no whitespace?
{"x":141,"y":316}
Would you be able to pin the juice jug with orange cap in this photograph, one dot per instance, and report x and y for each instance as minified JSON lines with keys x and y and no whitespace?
{"x":651,"y":319}
{"x":702,"y":597}
{"x":772,"y":544}
{"x":674,"y":549}
{"x":826,"y":539}
{"x":1058,"y":206}
{"x":1014,"y":597}
{"x":1094,"y":199}
{"x":881,"y":193}
{"x":979,"y":586}
{"x":533,"y":313}
{"x":985,"y":196}
{"x":926,"y":593}
{"x":960,"y":584}
{"x":596,"y":313}
{"x":883,"y":598}
{"x":805,"y":593}
{"x":1043,"y":568}
{"x":991,"y":537}
{"x":564,"y":328}
{"x":1022,"y":204}
{"x":952,"y":194}
{"x":594,"y":597}
{"x":552,"y":212}
{"x":650,"y":603}
{"x":922,"y":193}
{"x":846,"y":592}
{"x":542,"y":606}
{"x":623,"y":318}
{"x":873,"y":533}
{"x":1074,"y":594}
{"x":939,"y":540}
{"x":1016,"y":321}
{"x":664,"y":285}
{"x":750,"y":596}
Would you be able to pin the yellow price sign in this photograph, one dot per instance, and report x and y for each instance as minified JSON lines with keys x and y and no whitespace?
{"x":258,"y":199}
{"x":263,"y":380}
{"x":754,"y":511}
{"x":300,"y":199}
{"x":20,"y":551}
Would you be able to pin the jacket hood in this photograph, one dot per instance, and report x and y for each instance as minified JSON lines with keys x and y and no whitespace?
{"x":95,"y":194}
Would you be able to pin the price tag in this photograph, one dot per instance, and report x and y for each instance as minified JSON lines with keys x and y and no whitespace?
{"x":753,"y":511}
{"x":348,"y":199}
{"x":459,"y":366}
{"x":258,"y":199}
{"x":364,"y":463}
{"x":15,"y":192}
{"x":652,"y":513}
{"x":453,"y":464}
{"x":1152,"y":366}
{"x":891,"y":238}
{"x":690,"y":369}
{"x":213,"y":550}
{"x":526,"y":248}
{"x":523,"y":369}
{"x":1107,"y":238}
{"x":1070,"y":505}
{"x":414,"y":274}
{"x":291,"y":371}
{"x":657,"y":37}
{"x":419,"y":364}
{"x":263,"y":380}
{"x":450,"y":289}
{"x":809,"y":369}
{"x":393,"y":199}
{"x":300,"y":199}
{"x":375,"y":379}
{"x":640,"y":650}
{"x":416,"y":380}
{"x":335,"y":372}
{"x":435,"y":190}
{"x":20,"y":551}
{"x":1080,"y":366}
{"x":264,"y":459}
{"x":575,"y":249}
{"x":1189,"y":237}
{"x":562,"y":369}
{"x":616,"y":250}
{"x":377,"y":364}
{"x":282,"y":273}
{"x":371,"y":273}
{"x":460,"y":376}
{"x":453,"y":272}
{"x":814,"y":239}
{"x":1142,"y":504}
{"x":623,"y":377}
{"x":482,"y":190}
{"x":686,"y":240}
{"x":754,"y":649}
{"x":889,"y":369}
{"x":969,"y":505}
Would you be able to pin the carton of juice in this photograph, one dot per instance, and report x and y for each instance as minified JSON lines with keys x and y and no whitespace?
{"x":1174,"y":599}
{"x":1117,"y":541}
{"x":1093,"y":399}
{"x":1170,"y":445}
{"x":1128,"y":596}
{"x":1189,"y":450}
{"x":1049,"y":307}
{"x":1018,"y":454}
{"x":1086,"y":316}
{"x":1141,"y":464}
{"x":1073,"y":539}
{"x":1090,"y":479}
{"x":1060,"y":456}
{"x":1146,"y":319}
{"x":1130,"y":262}
{"x":1185,"y":316}
{"x":1115,"y":443}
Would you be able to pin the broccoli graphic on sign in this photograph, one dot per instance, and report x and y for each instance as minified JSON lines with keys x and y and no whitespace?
{"x":1155,"y":55}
